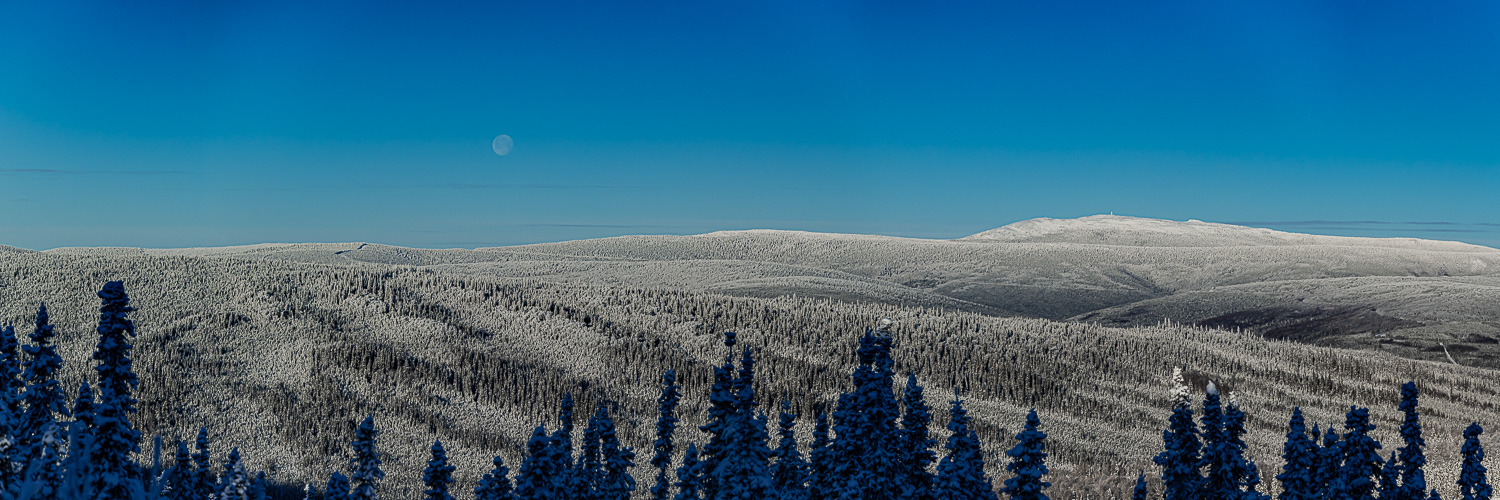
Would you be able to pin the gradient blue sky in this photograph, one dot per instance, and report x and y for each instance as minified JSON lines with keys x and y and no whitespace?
{"x":217,"y":123}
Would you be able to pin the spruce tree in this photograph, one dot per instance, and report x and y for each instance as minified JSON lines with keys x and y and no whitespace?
{"x":495,"y":485}
{"x":961,"y":473}
{"x":1330,"y":456}
{"x":1361,"y":460}
{"x":916,"y":442}
{"x":12,"y":458}
{"x":584,"y":479}
{"x":112,"y":474}
{"x":1300,"y":462}
{"x":1389,"y":485}
{"x":788,"y":469}
{"x":366,"y":462}
{"x":258,"y":486}
{"x":721,"y":398}
{"x":44,"y":397}
{"x":820,"y":461}
{"x":338,"y":487}
{"x":561,"y":465}
{"x":46,"y":470}
{"x":615,"y":481}
{"x":1219,"y":481}
{"x":666,"y":424}
{"x":1413,"y":481}
{"x":1472,"y":483}
{"x":742,"y":472}
{"x":1141,"y":492}
{"x":1246,"y":473}
{"x":203,"y":474}
{"x":689,"y":474}
{"x":533,"y":480}
{"x":182,"y":478}
{"x":1028,"y":462}
{"x":83,"y":409}
{"x":1179,"y":461}
{"x":438,"y":475}
{"x":234,"y":484}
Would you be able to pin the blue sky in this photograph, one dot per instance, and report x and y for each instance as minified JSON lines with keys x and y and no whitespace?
{"x":217,"y":123}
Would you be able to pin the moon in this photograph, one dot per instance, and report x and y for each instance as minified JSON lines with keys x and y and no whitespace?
{"x":502,"y":144}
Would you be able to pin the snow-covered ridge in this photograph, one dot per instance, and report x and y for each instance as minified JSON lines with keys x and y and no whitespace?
{"x":1139,"y":231}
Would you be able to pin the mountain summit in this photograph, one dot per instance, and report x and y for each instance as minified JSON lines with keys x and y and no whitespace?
{"x":1139,"y":231}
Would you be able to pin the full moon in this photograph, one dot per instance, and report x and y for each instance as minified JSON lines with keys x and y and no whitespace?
{"x":502,"y":144}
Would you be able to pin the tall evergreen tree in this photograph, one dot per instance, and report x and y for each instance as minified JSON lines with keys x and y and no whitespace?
{"x":112,"y":474}
{"x":235,"y":483}
{"x":820,"y":461}
{"x":1141,"y":492}
{"x":666,"y":424}
{"x":1472,"y":483}
{"x":788,"y":469}
{"x":338,"y":487}
{"x":1410,"y":455}
{"x":438,"y":475}
{"x":495,"y":485}
{"x":742,"y":472}
{"x":83,"y":409}
{"x":1179,"y":461}
{"x":689,"y":474}
{"x":916,"y":442}
{"x":584,"y":479}
{"x":961,"y":473}
{"x":366,"y":462}
{"x":44,"y":396}
{"x":1389,"y":485}
{"x":45,"y":471}
{"x":562,"y":442}
{"x":1028,"y":462}
{"x":182,"y":478}
{"x":615,"y":481}
{"x":534,"y":481}
{"x":1330,"y":455}
{"x":1300,"y":458}
{"x":1219,"y":481}
{"x":721,"y":398}
{"x":258,"y":486}
{"x":1246,"y":473}
{"x":203,"y":474}
{"x":11,"y":426}
{"x":1361,"y":459}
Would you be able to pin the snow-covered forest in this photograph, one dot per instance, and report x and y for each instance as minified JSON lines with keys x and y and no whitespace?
{"x":874,"y":442}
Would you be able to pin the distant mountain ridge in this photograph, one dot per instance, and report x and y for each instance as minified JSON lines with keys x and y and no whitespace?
{"x":1403,"y":295}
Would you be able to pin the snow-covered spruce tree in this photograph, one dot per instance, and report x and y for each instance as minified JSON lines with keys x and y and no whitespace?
{"x":1389,"y":484}
{"x":1179,"y":461}
{"x":337,"y":489}
{"x":666,"y":424}
{"x":1299,"y":457}
{"x":495,"y":485}
{"x":258,"y":486}
{"x":11,"y":456}
{"x":182,"y":478}
{"x":688,"y":475}
{"x":788,"y":469}
{"x":1330,"y":455}
{"x":562,"y":441}
{"x":1472,"y":483}
{"x":1361,"y":459}
{"x":235,"y":483}
{"x":533,"y":480}
{"x":44,"y":397}
{"x":916,"y":442}
{"x":1141,"y":491}
{"x":438,"y":475}
{"x":1028,"y":462}
{"x":615,"y":481}
{"x":1410,"y":455}
{"x":83,"y":409}
{"x":820,"y":461}
{"x":366,"y":462}
{"x":866,"y":442}
{"x":742,"y":472}
{"x":961,"y":473}
{"x":721,"y":398}
{"x":1244,"y":468}
{"x":583,"y":481}
{"x":1219,"y":481}
{"x":112,"y":473}
{"x":203,"y":477}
